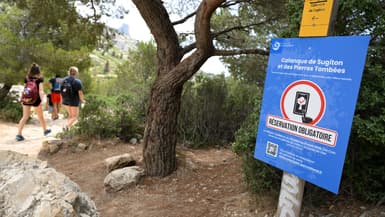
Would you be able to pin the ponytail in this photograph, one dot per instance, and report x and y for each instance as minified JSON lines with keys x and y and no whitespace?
{"x":34,"y":70}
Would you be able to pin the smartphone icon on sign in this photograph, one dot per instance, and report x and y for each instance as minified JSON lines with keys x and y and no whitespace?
{"x":301,"y":103}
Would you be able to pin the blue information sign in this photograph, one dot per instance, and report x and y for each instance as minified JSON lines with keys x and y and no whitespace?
{"x":309,"y":99}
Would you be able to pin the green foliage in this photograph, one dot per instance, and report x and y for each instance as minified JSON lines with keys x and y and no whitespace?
{"x":202,"y":116}
{"x":96,"y":120}
{"x":135,"y":77}
{"x":127,"y":120}
{"x":213,"y":108}
{"x":10,"y":109}
{"x":364,"y":166}
{"x":107,"y":117}
{"x":259,"y":176}
{"x":252,"y":24}
{"x":51,"y":34}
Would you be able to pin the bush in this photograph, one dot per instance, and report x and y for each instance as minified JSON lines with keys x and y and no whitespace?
{"x":10,"y":109}
{"x":104,"y":117}
{"x":213,"y":108}
{"x":259,"y":176}
{"x":364,"y":168}
{"x":127,"y":119}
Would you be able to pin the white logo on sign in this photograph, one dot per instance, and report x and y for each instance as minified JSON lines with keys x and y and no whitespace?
{"x":276,"y":45}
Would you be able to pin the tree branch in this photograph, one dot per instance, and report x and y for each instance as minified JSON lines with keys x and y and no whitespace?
{"x":158,"y":21}
{"x":239,"y":28}
{"x":226,"y":5}
{"x":183,"y":19}
{"x":192,"y":46}
{"x":229,"y":4}
{"x":94,"y":17}
{"x":189,"y":48}
{"x":258,"y":51}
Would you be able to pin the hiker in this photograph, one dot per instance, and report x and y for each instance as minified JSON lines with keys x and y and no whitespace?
{"x":49,"y":105}
{"x":72,"y":95}
{"x":55,"y":96}
{"x":32,"y":96}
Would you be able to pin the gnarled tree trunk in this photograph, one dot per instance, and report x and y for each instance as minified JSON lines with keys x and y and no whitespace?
{"x":160,"y":135}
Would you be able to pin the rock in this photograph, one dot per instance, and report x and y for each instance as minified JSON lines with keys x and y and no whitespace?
{"x":123,"y":178}
{"x":365,"y":214}
{"x":139,"y":136}
{"x":133,"y":141}
{"x":120,"y":161}
{"x":82,"y":146}
{"x":29,"y":187}
{"x":51,"y":146}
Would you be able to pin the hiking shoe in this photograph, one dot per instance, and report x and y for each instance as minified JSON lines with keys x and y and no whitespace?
{"x":47,"y":131}
{"x":19,"y":138}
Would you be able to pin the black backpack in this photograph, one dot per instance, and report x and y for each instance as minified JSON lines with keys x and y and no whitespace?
{"x":66,"y":88}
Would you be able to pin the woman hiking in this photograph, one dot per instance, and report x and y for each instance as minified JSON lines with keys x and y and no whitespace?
{"x":32,"y":96}
{"x":72,"y":96}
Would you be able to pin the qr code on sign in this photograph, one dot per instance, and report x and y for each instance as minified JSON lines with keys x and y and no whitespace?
{"x":272,"y":149}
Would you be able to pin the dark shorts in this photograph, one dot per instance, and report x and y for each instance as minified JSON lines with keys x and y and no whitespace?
{"x":36,"y":104}
{"x":71,"y":102}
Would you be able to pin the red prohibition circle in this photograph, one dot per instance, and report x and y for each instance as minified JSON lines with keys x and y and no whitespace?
{"x":316,"y":88}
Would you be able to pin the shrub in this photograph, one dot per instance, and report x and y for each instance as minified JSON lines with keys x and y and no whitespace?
{"x":96,"y":119}
{"x":213,"y":108}
{"x":127,"y":119}
{"x":106,"y":117}
{"x":260,"y":177}
{"x":10,"y":109}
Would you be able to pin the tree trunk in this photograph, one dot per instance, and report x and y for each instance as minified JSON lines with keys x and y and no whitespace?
{"x":4,"y":90}
{"x":160,"y":134}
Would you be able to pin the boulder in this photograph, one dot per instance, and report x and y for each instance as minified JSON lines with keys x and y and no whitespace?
{"x":120,"y":161}
{"x":51,"y":146}
{"x":29,"y":187}
{"x":123,"y":178}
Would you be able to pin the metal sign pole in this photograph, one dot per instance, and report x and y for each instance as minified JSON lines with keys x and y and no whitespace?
{"x":290,"y":197}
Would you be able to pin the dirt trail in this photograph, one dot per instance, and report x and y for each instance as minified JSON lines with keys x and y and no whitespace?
{"x":32,"y":132}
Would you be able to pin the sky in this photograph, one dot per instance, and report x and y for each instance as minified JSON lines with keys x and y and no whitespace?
{"x":138,"y":30}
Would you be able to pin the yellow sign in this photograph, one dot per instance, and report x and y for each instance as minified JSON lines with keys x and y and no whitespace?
{"x":316,"y":18}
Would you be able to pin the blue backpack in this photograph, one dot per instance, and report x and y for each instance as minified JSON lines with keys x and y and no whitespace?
{"x":56,"y":85}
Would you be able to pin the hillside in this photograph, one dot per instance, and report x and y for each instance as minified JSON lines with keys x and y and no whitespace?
{"x":105,"y":61}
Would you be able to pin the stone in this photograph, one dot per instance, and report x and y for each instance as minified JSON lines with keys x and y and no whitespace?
{"x":123,"y":178}
{"x":119,"y":161}
{"x":30,"y":187}
{"x":133,"y":141}
{"x":51,"y":146}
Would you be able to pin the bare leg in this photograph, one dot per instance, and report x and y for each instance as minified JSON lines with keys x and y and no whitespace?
{"x":73,"y":115}
{"x":24,"y":119}
{"x":55,"y":111}
{"x":39,"y":112}
{"x":58,"y":108}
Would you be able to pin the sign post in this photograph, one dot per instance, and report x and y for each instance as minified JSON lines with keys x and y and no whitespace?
{"x":307,"y":111}
{"x":317,"y":20}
